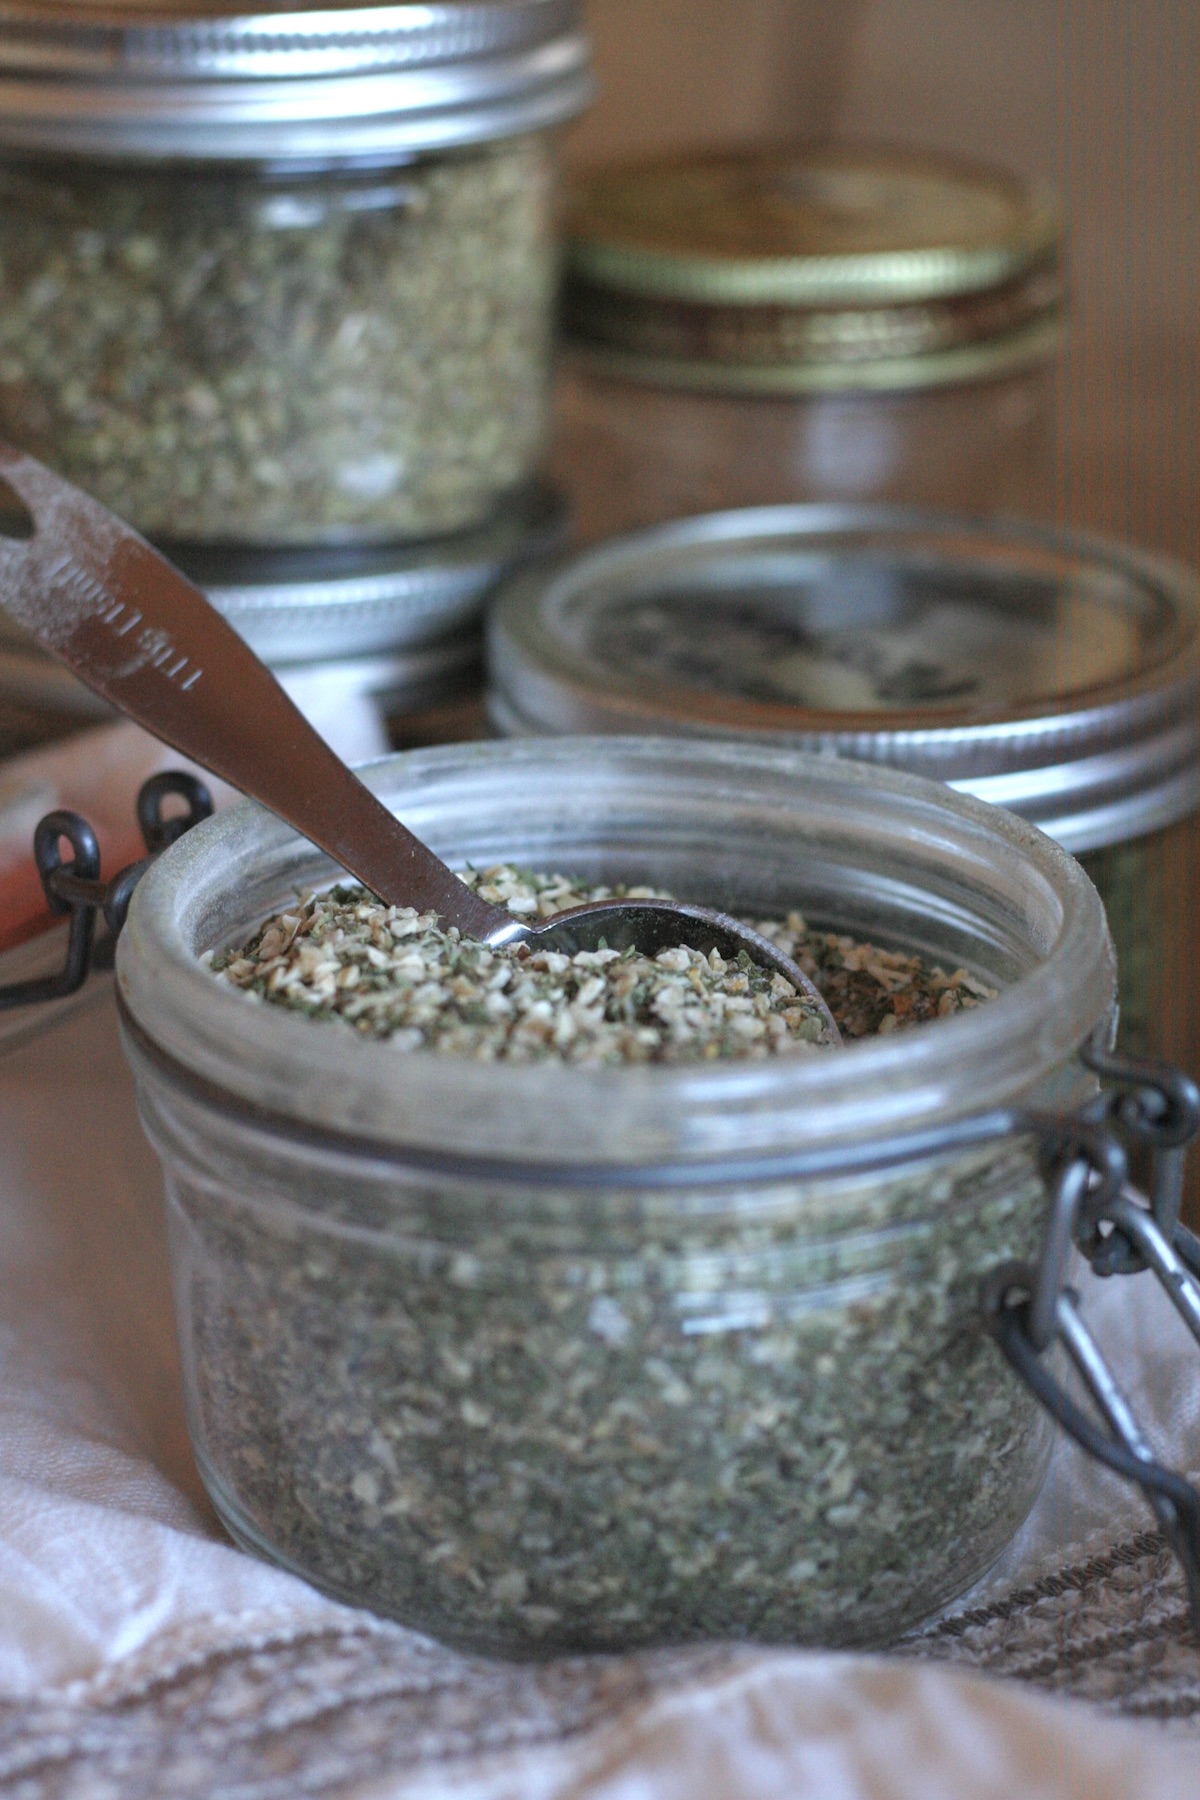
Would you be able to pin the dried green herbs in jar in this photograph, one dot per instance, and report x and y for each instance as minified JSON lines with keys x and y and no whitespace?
{"x":739,"y":1474}
{"x":225,"y":354}
{"x":586,"y":1428}
{"x":541,"y":1357}
{"x":393,"y":973}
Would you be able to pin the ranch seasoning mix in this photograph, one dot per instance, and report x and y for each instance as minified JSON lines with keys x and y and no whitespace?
{"x":283,"y":281}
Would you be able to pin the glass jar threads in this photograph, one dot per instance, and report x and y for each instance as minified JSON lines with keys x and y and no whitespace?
{"x":543,"y":1358}
{"x":283,"y":281}
{"x":828,"y":324}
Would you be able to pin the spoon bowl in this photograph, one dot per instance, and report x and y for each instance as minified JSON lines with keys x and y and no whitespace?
{"x":651,"y":926}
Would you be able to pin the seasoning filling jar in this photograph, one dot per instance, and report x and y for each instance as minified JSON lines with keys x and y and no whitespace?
{"x":833,"y":323}
{"x":544,"y":1358}
{"x":283,"y":279}
{"x":1045,"y":671}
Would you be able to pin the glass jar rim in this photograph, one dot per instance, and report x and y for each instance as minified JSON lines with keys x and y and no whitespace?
{"x":227,"y":874}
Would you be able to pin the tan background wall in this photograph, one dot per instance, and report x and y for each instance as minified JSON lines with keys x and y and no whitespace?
{"x":1102,"y":97}
{"x":698,"y":71}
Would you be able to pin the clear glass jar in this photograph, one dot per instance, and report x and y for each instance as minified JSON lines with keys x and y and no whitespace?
{"x":307,"y":299}
{"x":541,"y":1358}
{"x":632,"y":454}
{"x":1148,"y":883}
{"x":834,"y":324}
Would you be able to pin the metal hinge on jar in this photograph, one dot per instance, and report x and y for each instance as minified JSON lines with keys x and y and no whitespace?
{"x":75,"y":889}
{"x":1031,"y":1307}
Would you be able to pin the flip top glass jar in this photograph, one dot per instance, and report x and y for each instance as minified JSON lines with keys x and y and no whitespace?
{"x":839,"y":323}
{"x":283,"y":278}
{"x":546,"y":1357}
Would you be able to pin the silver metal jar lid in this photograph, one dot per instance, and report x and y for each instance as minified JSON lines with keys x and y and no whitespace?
{"x":1052,"y":673}
{"x":169,"y":78}
{"x":352,"y":701}
{"x":403,"y":622}
{"x":304,"y":606}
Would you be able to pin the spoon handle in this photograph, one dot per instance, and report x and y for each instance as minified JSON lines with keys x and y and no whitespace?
{"x":130,"y":626}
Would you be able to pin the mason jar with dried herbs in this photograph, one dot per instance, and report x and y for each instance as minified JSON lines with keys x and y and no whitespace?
{"x":283,"y":280}
{"x":832,"y":323}
{"x":547,"y":1348}
{"x":1049,"y":672}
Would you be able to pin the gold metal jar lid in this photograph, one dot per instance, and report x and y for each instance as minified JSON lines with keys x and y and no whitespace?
{"x":828,"y":267}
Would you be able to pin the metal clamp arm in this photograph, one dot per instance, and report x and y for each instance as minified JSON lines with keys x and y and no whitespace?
{"x":1030,"y":1307}
{"x":74,"y":887}
{"x":1117,"y":1440}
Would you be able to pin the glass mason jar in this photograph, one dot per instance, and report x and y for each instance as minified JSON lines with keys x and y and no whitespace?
{"x":541,"y":1358}
{"x":837,"y":323}
{"x":1046,"y":671}
{"x":283,"y":283}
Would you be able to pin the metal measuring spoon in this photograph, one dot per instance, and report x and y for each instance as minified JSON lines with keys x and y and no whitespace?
{"x":129,"y":625}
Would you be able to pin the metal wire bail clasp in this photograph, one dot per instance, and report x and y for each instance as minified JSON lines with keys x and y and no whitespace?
{"x":75,"y":887}
{"x":1096,"y":1209}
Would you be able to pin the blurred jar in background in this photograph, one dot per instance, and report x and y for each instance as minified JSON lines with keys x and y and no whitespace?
{"x":288,"y":280}
{"x":835,"y":323}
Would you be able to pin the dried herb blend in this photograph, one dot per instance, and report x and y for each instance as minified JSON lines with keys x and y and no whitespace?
{"x":392,"y":973}
{"x":222,"y":354}
{"x":541,"y":1418}
{"x":544,"y":1427}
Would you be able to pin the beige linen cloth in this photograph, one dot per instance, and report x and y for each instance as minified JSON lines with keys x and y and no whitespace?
{"x":140,"y":1654}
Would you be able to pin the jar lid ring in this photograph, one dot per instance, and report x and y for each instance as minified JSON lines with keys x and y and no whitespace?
{"x":128,"y":80}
